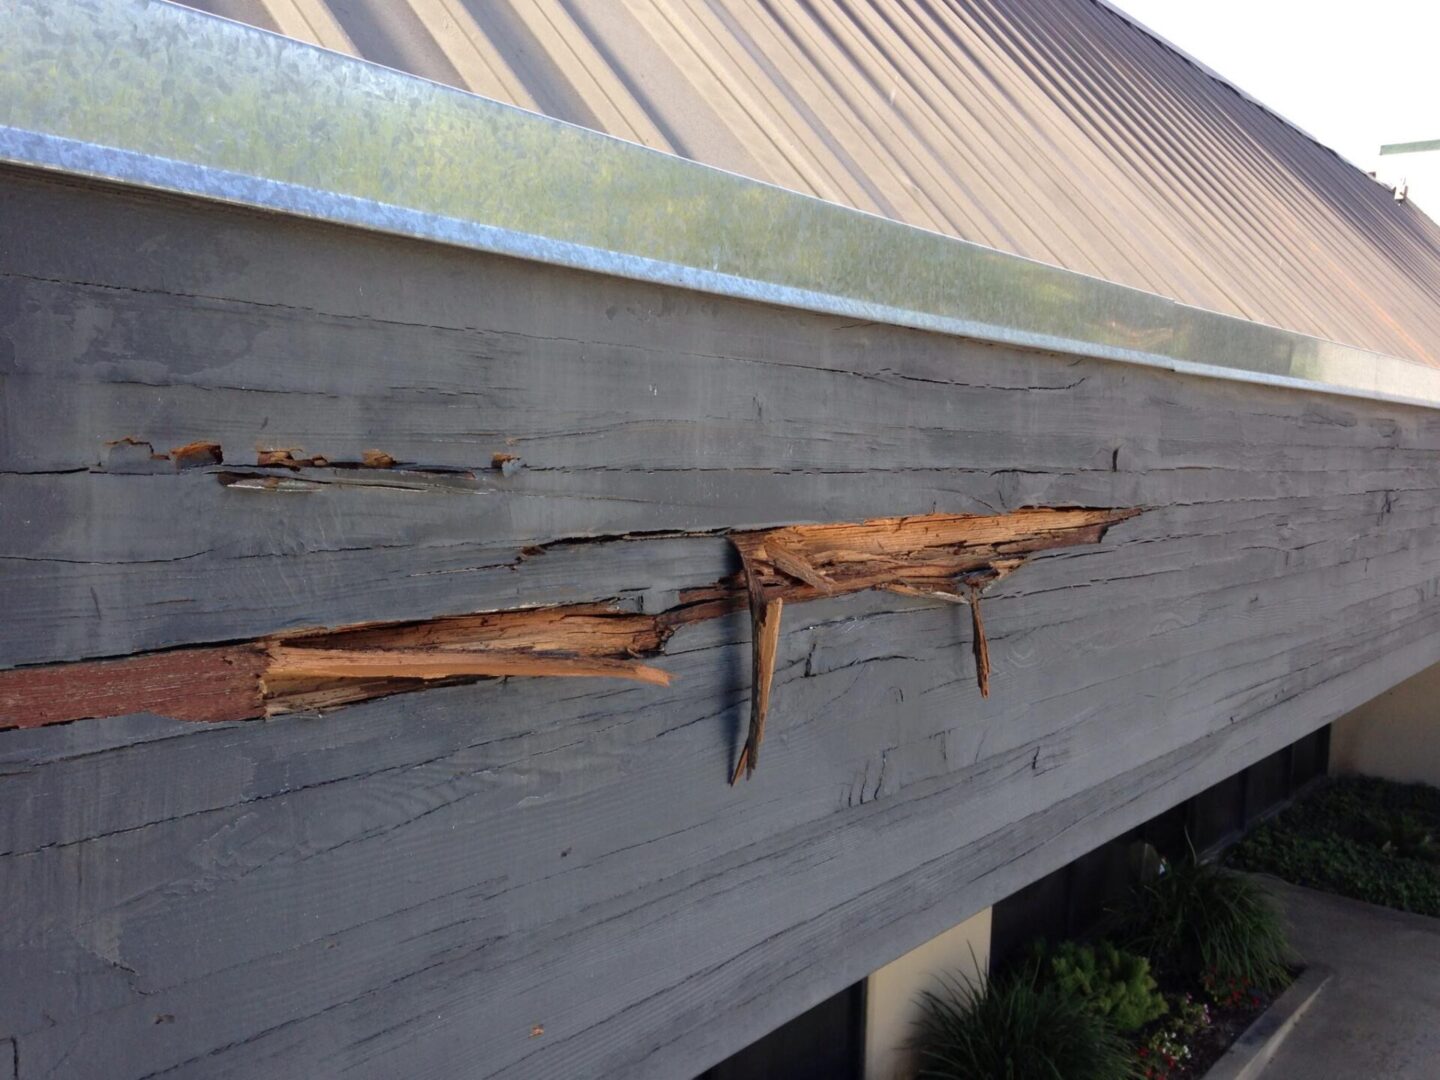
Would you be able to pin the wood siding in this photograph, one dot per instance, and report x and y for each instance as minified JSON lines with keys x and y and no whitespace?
{"x":533,"y":877}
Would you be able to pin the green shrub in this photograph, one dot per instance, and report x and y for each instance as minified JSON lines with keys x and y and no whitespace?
{"x":1340,"y":865}
{"x":1395,"y":832}
{"x":1201,"y":921}
{"x":1014,"y":1028}
{"x":1118,"y":985}
{"x":1367,"y":810}
{"x":1369,"y":839}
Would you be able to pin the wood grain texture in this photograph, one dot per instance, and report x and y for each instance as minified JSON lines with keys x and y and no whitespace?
{"x":924,"y":555}
{"x":412,"y":886}
{"x":206,"y":685}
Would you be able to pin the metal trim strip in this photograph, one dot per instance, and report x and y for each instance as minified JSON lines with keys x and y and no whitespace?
{"x":1410,"y":147}
{"x":148,"y":93}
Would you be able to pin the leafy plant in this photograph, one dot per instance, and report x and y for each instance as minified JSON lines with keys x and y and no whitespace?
{"x":1229,"y":991}
{"x":1360,"y":837}
{"x":1118,"y":985}
{"x":1402,"y":834}
{"x":1201,"y":919}
{"x":1014,"y":1027}
{"x":1343,"y":866}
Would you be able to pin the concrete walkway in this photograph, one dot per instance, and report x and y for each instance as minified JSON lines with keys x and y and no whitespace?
{"x":1379,"y":1016}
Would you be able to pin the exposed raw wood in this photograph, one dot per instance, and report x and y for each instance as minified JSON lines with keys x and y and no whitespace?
{"x":765,"y":616}
{"x":982,"y":645}
{"x":322,"y":670}
{"x":932,"y":555}
{"x":917,"y":554}
{"x":927,"y":555}
{"x":195,"y":454}
{"x":305,"y":671}
{"x":575,"y":629}
{"x":289,"y":662}
{"x":289,"y":457}
{"x":207,"y":685}
{"x":284,"y":457}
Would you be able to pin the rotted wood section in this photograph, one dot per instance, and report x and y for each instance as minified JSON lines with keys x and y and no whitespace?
{"x":951,"y":557}
{"x":948,"y":556}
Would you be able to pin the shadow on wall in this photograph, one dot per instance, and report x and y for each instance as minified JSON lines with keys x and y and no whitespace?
{"x":1394,"y":736}
{"x":866,"y":1029}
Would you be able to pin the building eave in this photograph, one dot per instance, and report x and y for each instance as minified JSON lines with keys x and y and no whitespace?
{"x":151,"y":94}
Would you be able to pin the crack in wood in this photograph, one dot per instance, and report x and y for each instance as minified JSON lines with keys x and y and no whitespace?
{"x":284,"y":457}
{"x":129,"y":454}
{"x":951,"y":557}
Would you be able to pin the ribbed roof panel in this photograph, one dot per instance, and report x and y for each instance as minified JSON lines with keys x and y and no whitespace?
{"x":1054,"y":129}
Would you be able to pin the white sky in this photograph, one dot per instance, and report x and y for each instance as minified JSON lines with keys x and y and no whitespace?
{"x":1354,"y":75}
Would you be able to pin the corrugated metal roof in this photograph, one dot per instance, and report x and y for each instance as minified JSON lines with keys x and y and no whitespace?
{"x":1054,"y":129}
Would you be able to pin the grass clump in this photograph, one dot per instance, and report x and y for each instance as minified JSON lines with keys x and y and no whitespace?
{"x":1369,"y":839}
{"x":1016,"y":1027}
{"x":1202,"y":923}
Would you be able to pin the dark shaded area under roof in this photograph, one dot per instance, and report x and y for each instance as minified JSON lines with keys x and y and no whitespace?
{"x":1054,"y":129}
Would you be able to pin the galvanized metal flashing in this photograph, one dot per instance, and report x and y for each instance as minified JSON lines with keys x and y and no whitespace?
{"x":148,"y":93}
{"x":1410,"y":147}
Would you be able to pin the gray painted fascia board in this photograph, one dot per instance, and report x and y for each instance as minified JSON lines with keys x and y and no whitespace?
{"x":148,"y":93}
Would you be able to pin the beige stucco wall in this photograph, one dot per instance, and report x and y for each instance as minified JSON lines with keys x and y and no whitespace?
{"x":890,"y":995}
{"x":1396,"y":735}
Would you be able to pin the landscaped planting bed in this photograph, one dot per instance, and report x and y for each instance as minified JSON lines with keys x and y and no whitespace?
{"x":1369,"y":839}
{"x":1185,"y":965}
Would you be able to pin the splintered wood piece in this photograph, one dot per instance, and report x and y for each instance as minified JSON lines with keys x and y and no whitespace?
{"x":796,"y":565}
{"x":801,"y":561}
{"x":904,"y":536}
{"x":932,"y":555}
{"x":928,"y":593}
{"x":765,"y":616}
{"x":580,"y":629}
{"x":981,"y":645}
{"x":426,"y":664}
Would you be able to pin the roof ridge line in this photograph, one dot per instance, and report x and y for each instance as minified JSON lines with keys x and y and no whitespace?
{"x":1229,"y":84}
